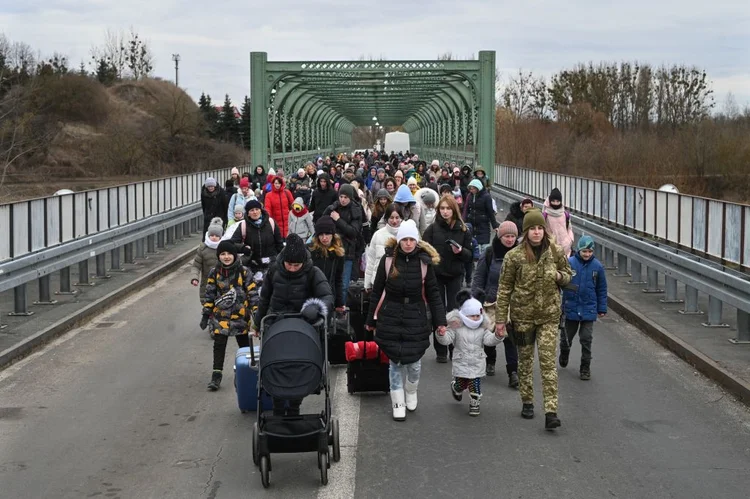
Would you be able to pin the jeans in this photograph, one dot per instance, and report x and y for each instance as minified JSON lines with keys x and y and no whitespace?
{"x":220,"y":348}
{"x":586,"y":328}
{"x":396,"y":374}
{"x":346,"y":277}
{"x":448,"y":288}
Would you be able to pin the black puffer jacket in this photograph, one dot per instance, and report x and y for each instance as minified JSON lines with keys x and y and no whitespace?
{"x":322,"y":198}
{"x":479,"y":213}
{"x":515,"y":215}
{"x":332,"y":267}
{"x":487,"y":272}
{"x":349,"y":227}
{"x":437,"y":234}
{"x":402,"y":328}
{"x":213,"y":204}
{"x":264,"y":242}
{"x":284,"y":291}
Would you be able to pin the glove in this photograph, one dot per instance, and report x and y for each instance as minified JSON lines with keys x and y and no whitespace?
{"x":204,"y":322}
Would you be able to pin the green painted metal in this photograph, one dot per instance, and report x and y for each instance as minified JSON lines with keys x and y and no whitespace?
{"x":301,"y":109}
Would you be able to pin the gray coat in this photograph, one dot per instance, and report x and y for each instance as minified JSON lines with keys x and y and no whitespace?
{"x":205,"y":259}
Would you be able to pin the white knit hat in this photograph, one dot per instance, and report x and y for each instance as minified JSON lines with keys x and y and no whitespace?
{"x":472,"y":306}
{"x":407,"y":229}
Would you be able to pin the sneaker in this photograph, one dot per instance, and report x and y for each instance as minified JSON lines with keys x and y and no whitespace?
{"x":527,"y":412}
{"x":551,"y":421}
{"x":456,"y":394}
{"x":442,"y":359}
{"x":564,"y":355}
{"x":215,"y":382}
{"x":474,"y":404}
{"x":513,"y":380}
{"x":585,"y":373}
{"x":490,"y":371}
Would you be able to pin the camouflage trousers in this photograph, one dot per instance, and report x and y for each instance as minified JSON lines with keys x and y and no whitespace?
{"x":546,"y":342}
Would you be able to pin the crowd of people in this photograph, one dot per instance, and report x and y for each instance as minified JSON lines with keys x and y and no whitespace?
{"x":439,"y":268}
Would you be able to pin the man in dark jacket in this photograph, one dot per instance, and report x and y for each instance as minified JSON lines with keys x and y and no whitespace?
{"x":322,"y":197}
{"x":260,"y":241}
{"x":347,"y":215}
{"x":478,"y":211}
{"x":213,"y":202}
{"x":517,"y":211}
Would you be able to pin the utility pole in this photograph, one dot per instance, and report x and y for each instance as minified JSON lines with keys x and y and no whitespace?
{"x":176,"y":59}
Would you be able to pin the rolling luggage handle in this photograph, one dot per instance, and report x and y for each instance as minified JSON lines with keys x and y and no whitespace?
{"x":252,"y":352}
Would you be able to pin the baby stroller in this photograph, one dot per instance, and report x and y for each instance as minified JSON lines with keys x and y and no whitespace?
{"x":293,"y":365}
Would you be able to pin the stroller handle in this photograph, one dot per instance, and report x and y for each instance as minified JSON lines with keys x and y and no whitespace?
{"x":291,"y":315}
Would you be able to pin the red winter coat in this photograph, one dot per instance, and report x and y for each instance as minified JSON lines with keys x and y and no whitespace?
{"x":278,"y":202}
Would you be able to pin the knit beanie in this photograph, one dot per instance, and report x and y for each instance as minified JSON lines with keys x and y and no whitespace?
{"x":215,"y":230}
{"x":508,"y":227}
{"x":472,"y":306}
{"x":445,"y":188}
{"x":585,"y":242}
{"x":555,"y":195}
{"x":235,"y":171}
{"x":272,"y":172}
{"x":411,"y":181}
{"x":210,"y":182}
{"x":428,"y":196}
{"x":383,"y":193}
{"x":228,"y":246}
{"x":404,"y":195}
{"x":348,"y":191}
{"x":533,"y":218}
{"x":294,"y":251}
{"x":253,"y":203}
{"x":435,"y":163}
{"x":407,"y":229}
{"x":477,"y":184}
{"x":244,"y":182}
{"x":381,"y":170}
{"x":325,"y":225}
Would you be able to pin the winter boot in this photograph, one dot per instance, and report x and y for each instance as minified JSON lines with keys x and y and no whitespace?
{"x":585,"y":372}
{"x":442,"y":359}
{"x":490,"y":370}
{"x":527,"y":412}
{"x":474,"y":399}
{"x":454,"y":391}
{"x":399,"y":408}
{"x":410,"y":392}
{"x":513,"y":380}
{"x":551,"y":421}
{"x":564,"y":355}
{"x":215,"y":380}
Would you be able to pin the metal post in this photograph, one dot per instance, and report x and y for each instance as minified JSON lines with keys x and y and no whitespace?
{"x":65,"y":288}
{"x":151,"y":244}
{"x":19,"y":302}
{"x":140,"y":249}
{"x":101,"y":266}
{"x":670,"y":287}
{"x":186,"y":229}
{"x":636,"y":273}
{"x":170,"y":235}
{"x":258,"y":109}
{"x":486,"y":114}
{"x":652,"y":281}
{"x":129,"y":257}
{"x":44,"y":292}
{"x":115,"y":264}
{"x":178,"y":232}
{"x":691,"y":302}
{"x":714,"y":313}
{"x":622,"y":266}
{"x":743,"y":329}
{"x":160,"y":238}
{"x":83,"y":274}
{"x":609,"y":258}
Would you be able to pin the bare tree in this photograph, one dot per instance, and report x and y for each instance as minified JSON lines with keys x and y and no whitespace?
{"x":178,"y":115}
{"x":138,"y":57}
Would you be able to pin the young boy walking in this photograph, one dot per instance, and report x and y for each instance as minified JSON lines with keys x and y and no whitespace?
{"x":584,"y":300}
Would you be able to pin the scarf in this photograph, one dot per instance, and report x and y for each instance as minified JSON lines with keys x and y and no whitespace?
{"x":300,"y":213}
{"x":209,"y":243}
{"x":555,"y":212}
{"x":470,"y":323}
{"x":257,"y":222}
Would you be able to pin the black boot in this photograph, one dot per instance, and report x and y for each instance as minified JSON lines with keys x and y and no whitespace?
{"x":551,"y":421}
{"x":527,"y":412}
{"x":490,"y":370}
{"x":215,"y":381}
{"x":585,"y":372}
{"x":564,"y":355}
{"x":513,"y":380}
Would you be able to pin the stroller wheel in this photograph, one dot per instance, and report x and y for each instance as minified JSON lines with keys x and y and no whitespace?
{"x":265,"y":471}
{"x":255,"y":444}
{"x":323,"y":465}
{"x":335,"y":442}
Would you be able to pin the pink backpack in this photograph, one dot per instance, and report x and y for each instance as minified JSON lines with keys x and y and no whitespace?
{"x":388,"y":264}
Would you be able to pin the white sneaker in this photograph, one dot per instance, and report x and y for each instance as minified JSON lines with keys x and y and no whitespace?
{"x":410,"y":391}
{"x":399,"y":408}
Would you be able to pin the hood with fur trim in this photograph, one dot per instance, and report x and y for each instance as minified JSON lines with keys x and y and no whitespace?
{"x":455,"y":322}
{"x":426,"y":252}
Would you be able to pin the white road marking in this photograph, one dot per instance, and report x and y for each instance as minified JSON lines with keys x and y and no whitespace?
{"x":342,"y":475}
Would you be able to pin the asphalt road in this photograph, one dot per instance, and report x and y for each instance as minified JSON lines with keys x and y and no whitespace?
{"x":122,"y":411}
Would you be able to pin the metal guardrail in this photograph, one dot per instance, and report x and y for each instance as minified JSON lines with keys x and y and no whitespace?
{"x":717,"y":229}
{"x":429,"y":153}
{"x":721,"y":284}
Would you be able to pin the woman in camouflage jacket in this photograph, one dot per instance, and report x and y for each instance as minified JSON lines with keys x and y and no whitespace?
{"x":532,"y":275}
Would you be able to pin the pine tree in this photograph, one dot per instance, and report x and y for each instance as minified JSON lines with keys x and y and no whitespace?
{"x":204,"y":103}
{"x":228,"y":126}
{"x":245,"y":123}
{"x":82,"y":69}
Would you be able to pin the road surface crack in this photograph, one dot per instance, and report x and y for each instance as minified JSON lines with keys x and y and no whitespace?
{"x":213,"y":469}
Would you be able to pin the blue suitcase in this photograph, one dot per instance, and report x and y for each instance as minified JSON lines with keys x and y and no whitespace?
{"x":246,"y":380}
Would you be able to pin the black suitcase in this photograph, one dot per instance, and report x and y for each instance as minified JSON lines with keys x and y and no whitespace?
{"x":367,"y":375}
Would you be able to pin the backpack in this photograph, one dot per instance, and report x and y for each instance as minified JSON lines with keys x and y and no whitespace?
{"x":244,"y":229}
{"x":567,"y":218}
{"x":388,"y":265}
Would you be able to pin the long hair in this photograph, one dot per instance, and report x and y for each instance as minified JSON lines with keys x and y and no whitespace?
{"x":336,"y":244}
{"x":389,"y":211}
{"x":450,"y":201}
{"x":529,"y":249}
{"x":378,"y":210}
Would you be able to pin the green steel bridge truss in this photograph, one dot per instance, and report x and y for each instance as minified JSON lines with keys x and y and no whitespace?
{"x":302,"y":109}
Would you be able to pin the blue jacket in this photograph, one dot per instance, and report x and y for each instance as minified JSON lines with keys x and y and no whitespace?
{"x":591,"y":297}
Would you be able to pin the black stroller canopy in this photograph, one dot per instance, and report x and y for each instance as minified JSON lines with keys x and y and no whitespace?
{"x":292,"y":359}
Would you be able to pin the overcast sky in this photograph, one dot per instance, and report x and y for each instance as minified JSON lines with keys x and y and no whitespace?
{"x":214,"y":39}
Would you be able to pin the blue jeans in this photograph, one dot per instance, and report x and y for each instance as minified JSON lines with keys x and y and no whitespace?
{"x":346,"y":276}
{"x":396,"y":373}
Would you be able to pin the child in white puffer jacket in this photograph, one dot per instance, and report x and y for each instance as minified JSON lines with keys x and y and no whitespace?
{"x":470,"y":330}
